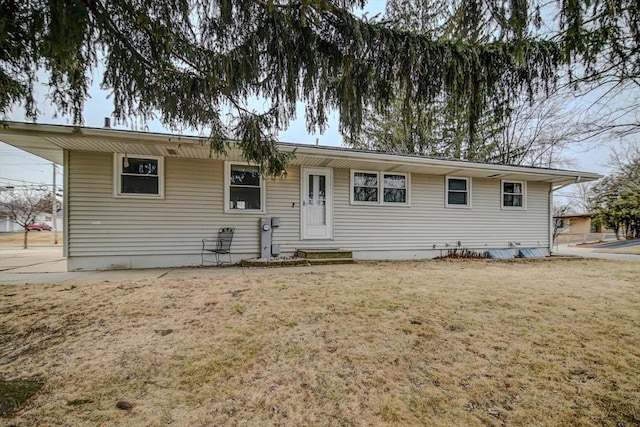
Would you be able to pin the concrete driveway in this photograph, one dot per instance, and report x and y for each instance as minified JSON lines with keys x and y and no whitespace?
{"x":618,"y":244}
{"x":591,"y":251}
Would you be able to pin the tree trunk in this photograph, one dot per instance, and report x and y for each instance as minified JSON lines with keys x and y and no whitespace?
{"x":26,"y":231}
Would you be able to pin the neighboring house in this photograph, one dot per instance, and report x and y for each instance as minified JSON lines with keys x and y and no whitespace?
{"x":7,"y":225}
{"x":578,"y":223}
{"x":582,"y":227}
{"x":137,"y":200}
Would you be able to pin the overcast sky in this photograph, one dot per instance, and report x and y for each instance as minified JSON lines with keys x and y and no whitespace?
{"x":17,"y":167}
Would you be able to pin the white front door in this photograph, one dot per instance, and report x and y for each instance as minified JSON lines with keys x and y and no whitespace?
{"x":316,"y":204}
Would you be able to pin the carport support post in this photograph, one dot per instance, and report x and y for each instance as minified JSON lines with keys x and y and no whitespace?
{"x":552,"y":189}
{"x":54,"y":207}
{"x":551,"y":220}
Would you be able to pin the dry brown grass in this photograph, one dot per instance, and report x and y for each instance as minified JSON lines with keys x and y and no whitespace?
{"x":430,"y":343}
{"x":36,"y":238}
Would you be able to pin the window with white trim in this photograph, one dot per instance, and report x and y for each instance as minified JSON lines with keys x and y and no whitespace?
{"x":513,"y":194}
{"x":458,"y":192}
{"x":394,"y":188}
{"x":244,"y":188}
{"x":377,"y":188}
{"x":365,"y":187}
{"x":138,"y":176}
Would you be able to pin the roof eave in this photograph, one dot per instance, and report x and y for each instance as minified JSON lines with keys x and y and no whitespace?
{"x":23,"y":133}
{"x":556,"y":176}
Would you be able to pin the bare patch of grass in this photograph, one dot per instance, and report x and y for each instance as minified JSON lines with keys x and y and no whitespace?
{"x":428,"y":343}
{"x":15,"y":393}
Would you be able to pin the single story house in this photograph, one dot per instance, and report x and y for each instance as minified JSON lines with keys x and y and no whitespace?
{"x":581,"y":228}
{"x":579,"y":223}
{"x":7,"y":225}
{"x":139,"y":200}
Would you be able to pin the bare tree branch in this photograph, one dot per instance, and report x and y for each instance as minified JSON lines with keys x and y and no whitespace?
{"x":23,"y":204}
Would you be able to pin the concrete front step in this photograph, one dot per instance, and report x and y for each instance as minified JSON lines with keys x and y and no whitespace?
{"x":327,"y":261}
{"x":274,"y":262}
{"x":324,"y":254}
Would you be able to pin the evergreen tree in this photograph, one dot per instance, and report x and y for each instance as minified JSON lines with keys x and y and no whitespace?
{"x":196,"y":62}
{"x":504,"y":132}
{"x":616,"y":198}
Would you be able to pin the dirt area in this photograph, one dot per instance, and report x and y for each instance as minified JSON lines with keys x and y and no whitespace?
{"x":35,"y":238}
{"x":425,"y":343}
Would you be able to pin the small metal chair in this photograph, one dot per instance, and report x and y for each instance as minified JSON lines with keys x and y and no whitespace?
{"x":217,"y":247}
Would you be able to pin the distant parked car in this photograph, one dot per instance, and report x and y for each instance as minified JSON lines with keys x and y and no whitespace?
{"x":38,"y":227}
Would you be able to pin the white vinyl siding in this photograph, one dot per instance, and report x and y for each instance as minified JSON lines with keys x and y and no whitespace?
{"x":426,"y":222}
{"x":193,"y":209}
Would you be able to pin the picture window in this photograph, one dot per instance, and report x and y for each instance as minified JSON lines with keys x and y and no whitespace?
{"x":379,"y":188}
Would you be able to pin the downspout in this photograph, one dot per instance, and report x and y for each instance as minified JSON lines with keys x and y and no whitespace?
{"x":551,"y":190}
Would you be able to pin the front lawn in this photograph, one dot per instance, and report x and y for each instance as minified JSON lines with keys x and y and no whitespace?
{"x":425,"y":343}
{"x":35,"y":238}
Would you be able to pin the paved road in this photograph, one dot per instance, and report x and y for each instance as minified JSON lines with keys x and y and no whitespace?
{"x":618,"y":244}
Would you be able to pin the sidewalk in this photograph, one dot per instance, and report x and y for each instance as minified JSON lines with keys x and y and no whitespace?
{"x":46,"y":265}
{"x":35,"y":258}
